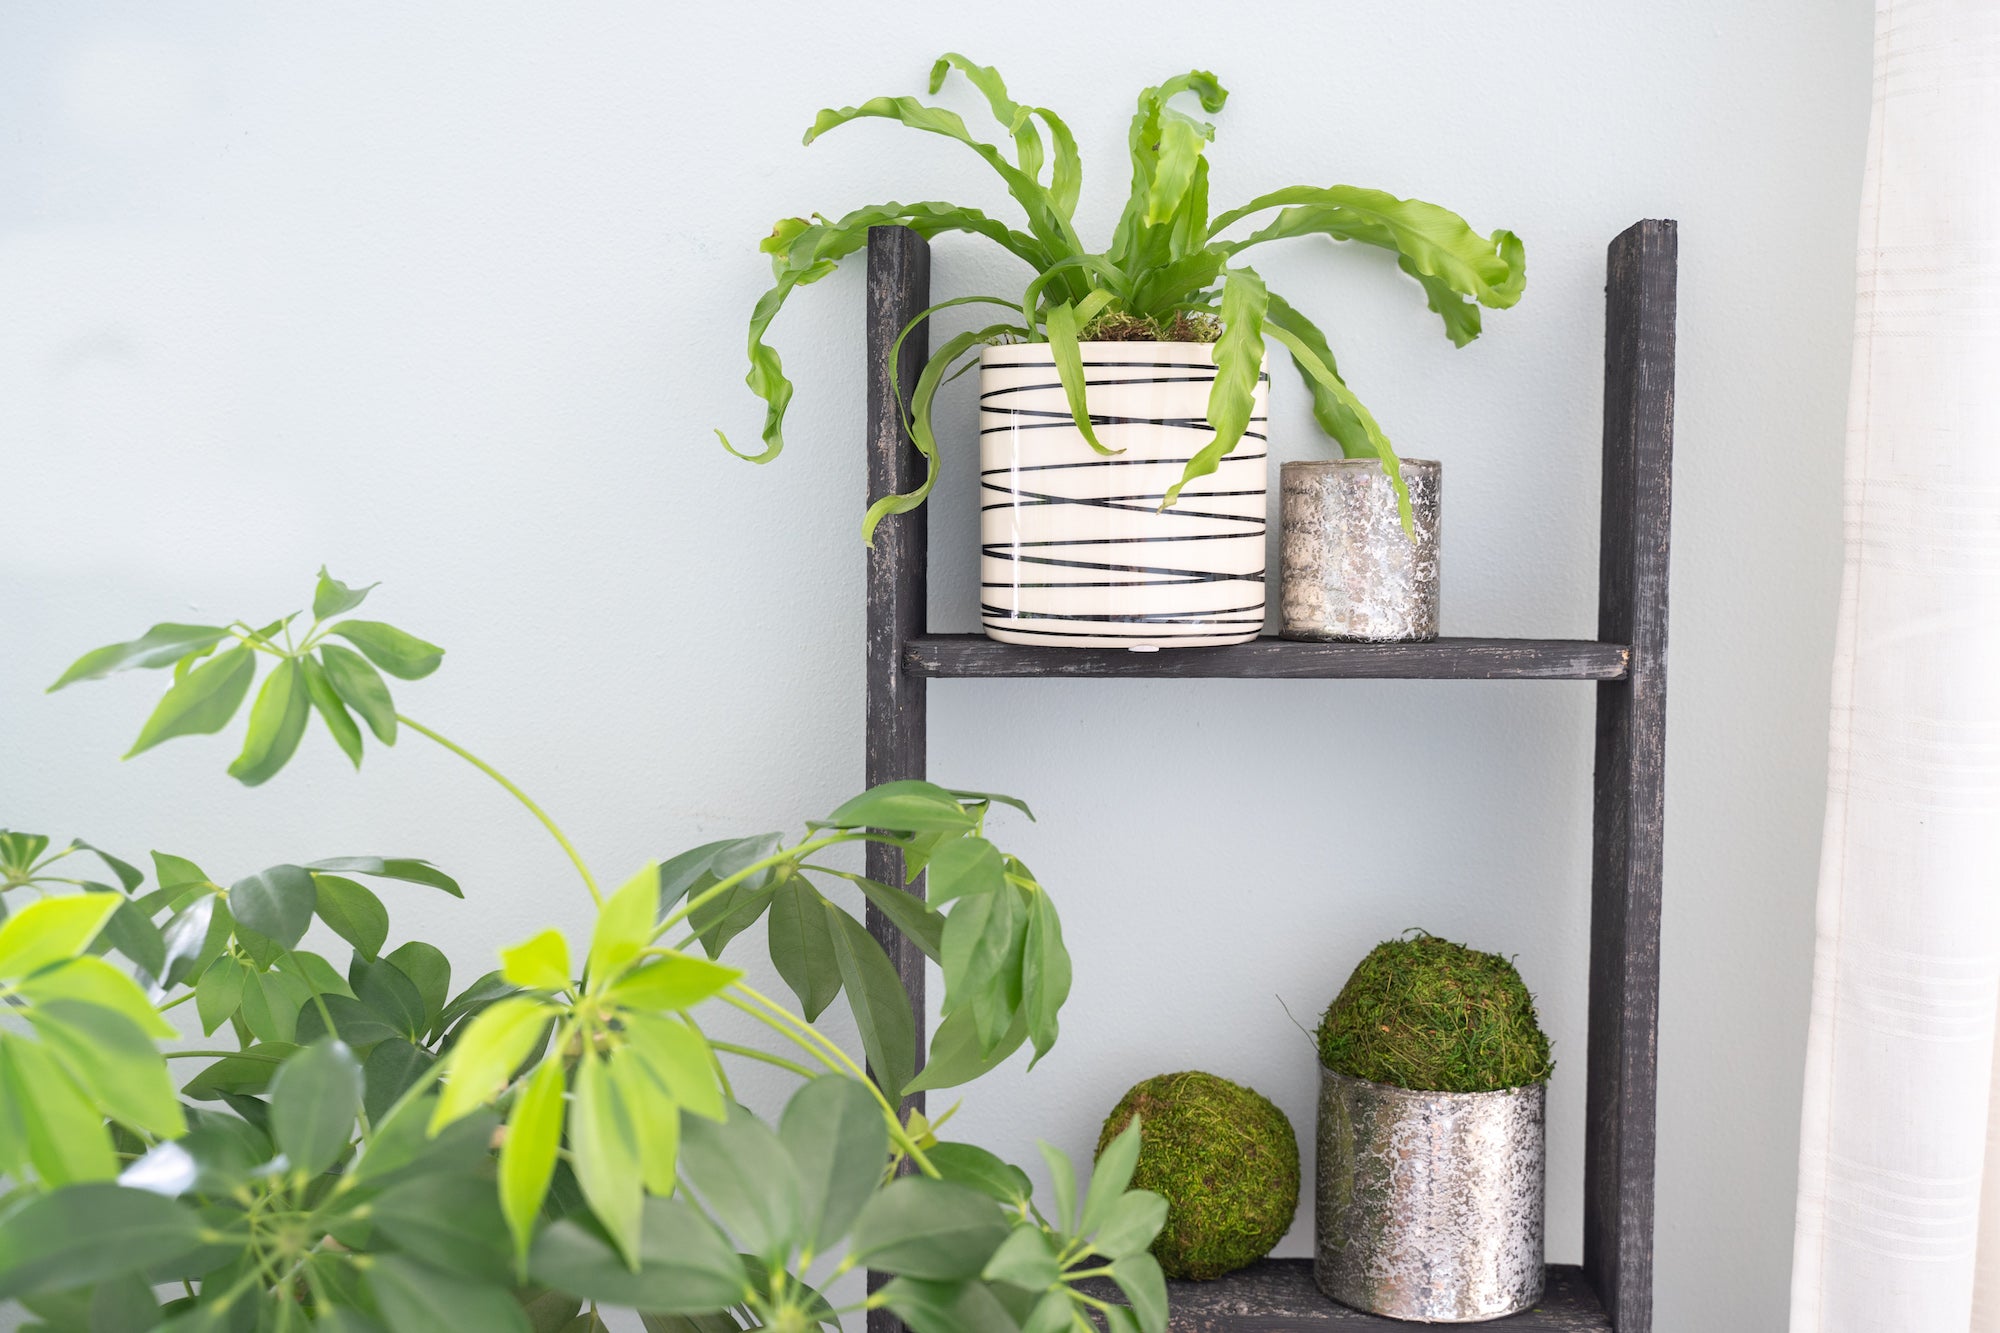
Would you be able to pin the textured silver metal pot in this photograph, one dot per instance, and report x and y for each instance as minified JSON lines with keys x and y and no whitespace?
{"x":1429,"y":1204}
{"x":1350,"y":571}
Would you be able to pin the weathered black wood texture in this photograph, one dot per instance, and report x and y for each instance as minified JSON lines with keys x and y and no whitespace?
{"x":899,"y":289}
{"x":1629,"y":788}
{"x":1278,"y":1296}
{"x":1268,"y":658}
{"x":899,"y":285}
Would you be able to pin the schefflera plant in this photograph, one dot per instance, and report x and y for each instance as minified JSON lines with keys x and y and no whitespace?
{"x":560,"y":1134}
{"x":1167,"y":259}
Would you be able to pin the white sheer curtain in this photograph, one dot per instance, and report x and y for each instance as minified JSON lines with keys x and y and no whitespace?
{"x":1899,"y":1165}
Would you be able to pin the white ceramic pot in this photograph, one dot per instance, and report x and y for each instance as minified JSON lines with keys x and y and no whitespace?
{"x":1074,"y":548}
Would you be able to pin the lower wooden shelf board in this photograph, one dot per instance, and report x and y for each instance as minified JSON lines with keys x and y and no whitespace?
{"x":1278,"y":1296}
{"x":963,"y":655}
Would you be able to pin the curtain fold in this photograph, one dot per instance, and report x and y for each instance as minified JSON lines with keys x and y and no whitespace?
{"x":1899,"y":1196}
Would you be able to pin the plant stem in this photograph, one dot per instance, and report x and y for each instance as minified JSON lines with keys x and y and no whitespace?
{"x":776,"y":1015}
{"x":224,"y":1055}
{"x":736,"y":1002}
{"x":575,"y":858}
{"x":695,"y":903}
{"x":752,"y":1053}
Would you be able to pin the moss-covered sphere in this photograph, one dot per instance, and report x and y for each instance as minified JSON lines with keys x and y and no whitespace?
{"x":1226,"y":1161}
{"x":1427,"y":1014}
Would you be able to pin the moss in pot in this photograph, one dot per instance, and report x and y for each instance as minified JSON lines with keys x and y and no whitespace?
{"x":1431,"y":1171}
{"x":1433,"y":1016}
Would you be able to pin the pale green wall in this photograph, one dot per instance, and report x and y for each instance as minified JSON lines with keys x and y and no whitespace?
{"x":451,"y":296}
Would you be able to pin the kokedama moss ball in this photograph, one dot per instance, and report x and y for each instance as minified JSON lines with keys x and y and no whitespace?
{"x":1226,"y":1161}
{"x":1427,"y":1014}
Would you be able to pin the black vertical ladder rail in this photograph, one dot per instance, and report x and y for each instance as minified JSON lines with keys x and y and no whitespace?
{"x":1628,"y":782}
{"x":899,"y":284}
{"x":1628,"y":788}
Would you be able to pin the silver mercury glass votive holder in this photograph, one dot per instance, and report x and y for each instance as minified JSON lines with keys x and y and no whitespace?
{"x":1349,"y":569}
{"x":1429,"y":1204}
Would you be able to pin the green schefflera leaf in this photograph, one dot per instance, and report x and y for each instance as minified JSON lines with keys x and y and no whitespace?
{"x":747,"y":1180}
{"x":56,"y":1130}
{"x":921,"y":923}
{"x":85,"y":1234}
{"x":114,"y":1060}
{"x":91,"y":980}
{"x":277,"y":722}
{"x":416,"y":1298}
{"x":685,"y":1266}
{"x":1140,"y":1277}
{"x":451,"y":1223}
{"x":51,"y":930}
{"x":391,"y":1070}
{"x":277,"y":903}
{"x":314,"y":1101}
{"x":959,"y":1054}
{"x":1130,"y":1226}
{"x":491,"y":1047}
{"x":838,"y":1143}
{"x":353,"y":911}
{"x":429,"y":970}
{"x":656,"y":1120}
{"x":528,"y":1153}
{"x":672,"y":981}
{"x":391,"y":995}
{"x":20,"y":851}
{"x":801,"y":944}
{"x":361,"y":687}
{"x":965,"y":866}
{"x":625,"y":924}
{"x":131,"y":932}
{"x":202,"y":701}
{"x":128,"y":874}
{"x":219,"y":993}
{"x":409,"y":869}
{"x":162,"y":645}
{"x":333,"y":598}
{"x":881,"y":1008}
{"x":904,"y":807}
{"x":326,"y":701}
{"x":1025,"y":1259}
{"x":969,"y":1164}
{"x":1062,"y":1183}
{"x":928,"y":1229}
{"x":402,"y":655}
{"x":678,"y":1060}
{"x":1045,"y":972}
{"x":1109,"y":1178}
{"x":604,"y":1144}
{"x":541,"y":963}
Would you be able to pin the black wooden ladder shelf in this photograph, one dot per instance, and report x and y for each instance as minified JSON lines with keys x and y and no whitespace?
{"x":1613,"y":1289}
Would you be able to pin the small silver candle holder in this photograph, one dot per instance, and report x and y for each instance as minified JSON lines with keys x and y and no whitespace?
{"x":1349,"y":569}
{"x":1429,"y":1204}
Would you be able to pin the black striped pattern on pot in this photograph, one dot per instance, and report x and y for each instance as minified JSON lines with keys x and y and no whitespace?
{"x":1074,"y":548}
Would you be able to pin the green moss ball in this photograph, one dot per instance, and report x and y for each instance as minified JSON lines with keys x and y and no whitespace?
{"x":1427,"y":1014}
{"x":1226,"y":1161}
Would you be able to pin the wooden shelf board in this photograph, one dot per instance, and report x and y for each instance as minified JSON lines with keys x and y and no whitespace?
{"x":965,"y":655}
{"x":1278,"y":1296}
